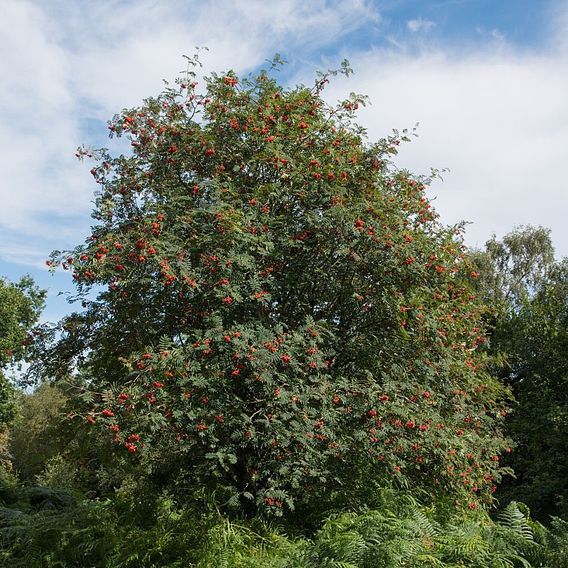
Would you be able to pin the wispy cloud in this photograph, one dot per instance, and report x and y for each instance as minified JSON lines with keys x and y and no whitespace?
{"x":66,"y":64}
{"x":497,"y":120}
{"x":494,"y":35}
{"x":420,"y":25}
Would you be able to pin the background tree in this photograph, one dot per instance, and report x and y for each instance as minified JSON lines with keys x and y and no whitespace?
{"x":20,"y":307}
{"x":34,"y":433}
{"x":278,"y":315}
{"x":527,"y":290}
{"x":515,"y":267}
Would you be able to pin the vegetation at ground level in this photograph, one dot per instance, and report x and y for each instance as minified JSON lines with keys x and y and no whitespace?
{"x":50,"y":528}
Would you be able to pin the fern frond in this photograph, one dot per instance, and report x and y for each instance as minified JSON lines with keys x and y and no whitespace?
{"x":513,"y":518}
{"x":427,"y":527}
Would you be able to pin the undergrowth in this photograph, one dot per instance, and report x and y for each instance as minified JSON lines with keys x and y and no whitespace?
{"x":40,"y":527}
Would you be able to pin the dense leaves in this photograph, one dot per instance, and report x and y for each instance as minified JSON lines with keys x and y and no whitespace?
{"x":528,"y":294}
{"x":33,"y":435}
{"x":20,"y":306}
{"x":276,"y":308}
{"x":48,"y":528}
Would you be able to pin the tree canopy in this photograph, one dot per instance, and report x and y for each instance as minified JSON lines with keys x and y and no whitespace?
{"x":272,"y":311}
{"x":20,"y":307}
{"x":527,"y":290}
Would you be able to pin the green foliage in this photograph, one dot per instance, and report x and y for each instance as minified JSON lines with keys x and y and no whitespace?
{"x":20,"y":306}
{"x":556,"y":540}
{"x":278,"y":310}
{"x":53,"y":536}
{"x":118,"y":534}
{"x":46,"y":447}
{"x":33,"y":436}
{"x":528,"y":291}
{"x":512,"y":269}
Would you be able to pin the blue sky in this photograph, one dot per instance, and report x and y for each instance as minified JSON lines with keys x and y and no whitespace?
{"x":486,"y":79}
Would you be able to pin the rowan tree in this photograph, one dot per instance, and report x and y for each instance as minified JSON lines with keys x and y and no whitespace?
{"x":274,"y":306}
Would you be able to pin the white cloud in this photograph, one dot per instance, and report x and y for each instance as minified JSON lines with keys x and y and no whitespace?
{"x":38,"y":131}
{"x":420,"y":25}
{"x":498,"y":121}
{"x":18,"y":253}
{"x":64,"y":63}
